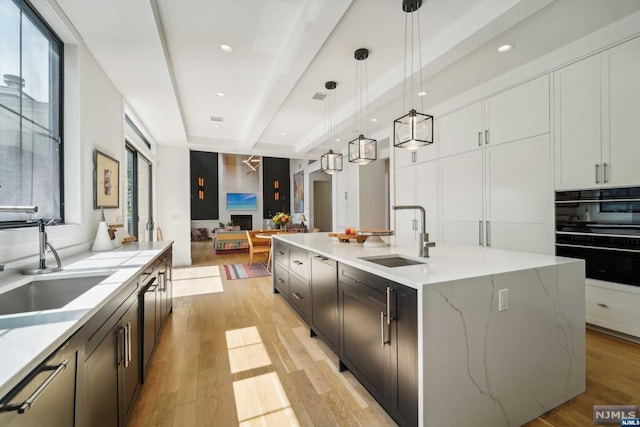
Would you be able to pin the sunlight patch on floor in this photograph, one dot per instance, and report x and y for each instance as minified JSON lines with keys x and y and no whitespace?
{"x":201,"y":286}
{"x":195,"y":272}
{"x":246,"y":350}
{"x":261,"y":400}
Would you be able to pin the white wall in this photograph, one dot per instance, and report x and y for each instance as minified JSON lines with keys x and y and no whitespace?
{"x":173,"y":200}
{"x":297,"y":165}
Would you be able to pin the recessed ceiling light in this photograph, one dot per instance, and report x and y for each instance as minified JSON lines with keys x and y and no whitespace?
{"x":506,"y":48}
{"x":423,"y":93}
{"x":338,"y":140}
{"x":226,"y":48}
{"x":283,"y":133}
{"x":374,"y":119}
{"x":221,"y":94}
{"x":217,"y":126}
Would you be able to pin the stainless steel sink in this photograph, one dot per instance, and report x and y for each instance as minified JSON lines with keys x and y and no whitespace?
{"x":393,"y":260}
{"x":46,"y":294}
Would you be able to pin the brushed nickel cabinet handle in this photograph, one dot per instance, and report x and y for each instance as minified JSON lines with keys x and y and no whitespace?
{"x":23,"y":407}
{"x":597,"y":173}
{"x":382,"y":340}
{"x":297,"y":296}
{"x":604,"y":173}
{"x":480,"y":232}
{"x":603,"y":305}
{"x":479,"y":138}
{"x":488,"y":236}
{"x":486,"y":136}
{"x":129,"y":357}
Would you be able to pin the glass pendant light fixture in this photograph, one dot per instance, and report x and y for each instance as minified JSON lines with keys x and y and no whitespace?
{"x":414,"y":129}
{"x":330,"y":162}
{"x":362,"y":150}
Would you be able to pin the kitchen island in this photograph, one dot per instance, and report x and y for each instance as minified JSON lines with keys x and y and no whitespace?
{"x":476,"y":364}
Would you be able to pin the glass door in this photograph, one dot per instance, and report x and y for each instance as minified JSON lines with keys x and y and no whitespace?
{"x":139,"y":196}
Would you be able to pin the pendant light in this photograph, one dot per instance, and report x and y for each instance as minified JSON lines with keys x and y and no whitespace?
{"x":330,"y":162}
{"x":362,"y":150}
{"x":415,"y":129}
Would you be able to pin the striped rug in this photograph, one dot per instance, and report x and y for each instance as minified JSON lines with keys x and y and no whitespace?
{"x":244,"y":271}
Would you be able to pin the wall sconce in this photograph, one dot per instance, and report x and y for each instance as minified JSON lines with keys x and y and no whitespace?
{"x":276,"y":190}
{"x":200,"y":188}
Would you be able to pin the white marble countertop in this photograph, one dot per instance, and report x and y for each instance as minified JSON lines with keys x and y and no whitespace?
{"x":26,"y":339}
{"x":447,"y":262}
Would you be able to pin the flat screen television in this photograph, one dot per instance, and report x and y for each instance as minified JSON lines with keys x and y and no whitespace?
{"x":242,"y":201}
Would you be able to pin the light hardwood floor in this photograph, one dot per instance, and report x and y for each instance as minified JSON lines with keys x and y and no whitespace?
{"x":241,"y":356}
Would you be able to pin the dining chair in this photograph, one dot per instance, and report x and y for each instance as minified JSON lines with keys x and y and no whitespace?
{"x":257,"y":245}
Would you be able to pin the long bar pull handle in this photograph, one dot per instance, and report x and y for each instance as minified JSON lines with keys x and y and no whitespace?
{"x":129,"y":357}
{"x":297,"y":296}
{"x":486,"y":136}
{"x":479,"y":139}
{"x":488,"y":236}
{"x":480,"y":232}
{"x":604,"y":173}
{"x":603,"y":305}
{"x":391,"y":305}
{"x":125,"y":349}
{"x":597,"y":173}
{"x":382,"y":340}
{"x":27,"y":404}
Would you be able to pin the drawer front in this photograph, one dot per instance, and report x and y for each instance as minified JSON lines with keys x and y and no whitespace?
{"x":299,"y":263}
{"x":281,"y":280}
{"x":300,"y":297}
{"x":355,"y":277}
{"x":281,"y":252}
{"x":613,"y":309}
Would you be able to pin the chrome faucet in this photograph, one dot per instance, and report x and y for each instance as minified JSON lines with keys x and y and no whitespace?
{"x":44,"y":242}
{"x":425,"y":244}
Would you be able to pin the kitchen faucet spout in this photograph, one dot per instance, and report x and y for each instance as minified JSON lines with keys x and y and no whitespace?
{"x":425,"y":244}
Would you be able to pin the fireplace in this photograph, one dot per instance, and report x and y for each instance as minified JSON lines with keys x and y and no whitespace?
{"x":244,"y":221}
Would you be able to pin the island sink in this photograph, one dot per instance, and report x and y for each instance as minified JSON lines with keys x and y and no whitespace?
{"x":46,"y":294}
{"x":393,"y":260}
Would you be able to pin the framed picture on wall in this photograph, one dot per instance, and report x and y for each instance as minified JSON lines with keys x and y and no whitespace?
{"x":106,"y":181}
{"x":298,"y":192}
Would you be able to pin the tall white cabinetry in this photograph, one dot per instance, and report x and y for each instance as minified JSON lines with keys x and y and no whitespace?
{"x":347,"y":195}
{"x":496,"y":187}
{"x":597,"y":105}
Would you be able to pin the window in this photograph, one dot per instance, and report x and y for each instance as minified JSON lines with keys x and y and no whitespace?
{"x":30,"y":115}
{"x":139,"y":202}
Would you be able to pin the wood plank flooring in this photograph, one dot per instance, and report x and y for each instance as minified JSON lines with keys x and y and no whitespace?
{"x":241,"y":356}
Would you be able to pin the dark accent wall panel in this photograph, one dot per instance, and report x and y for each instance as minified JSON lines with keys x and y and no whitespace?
{"x":204,"y":185}
{"x":275,"y":199}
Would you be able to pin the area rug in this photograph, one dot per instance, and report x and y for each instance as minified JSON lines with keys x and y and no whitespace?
{"x":244,"y":271}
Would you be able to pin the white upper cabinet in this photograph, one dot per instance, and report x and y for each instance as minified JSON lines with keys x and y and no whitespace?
{"x":519,"y":196}
{"x":621,"y":158}
{"x":404,"y":157}
{"x":417,"y":185}
{"x":597,"y":105}
{"x":427,"y":196}
{"x":518,"y":113}
{"x":578,"y":124}
{"x":461,"y":130}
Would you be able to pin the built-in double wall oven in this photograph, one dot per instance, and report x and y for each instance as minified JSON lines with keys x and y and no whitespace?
{"x":601,"y":226}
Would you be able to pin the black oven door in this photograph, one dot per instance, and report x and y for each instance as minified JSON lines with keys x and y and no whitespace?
{"x":612,"y":265}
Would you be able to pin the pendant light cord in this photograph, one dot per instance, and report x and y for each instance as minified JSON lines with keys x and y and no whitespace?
{"x":420,"y":64}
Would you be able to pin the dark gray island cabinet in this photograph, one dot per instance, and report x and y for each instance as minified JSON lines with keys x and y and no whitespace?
{"x":368,"y":321}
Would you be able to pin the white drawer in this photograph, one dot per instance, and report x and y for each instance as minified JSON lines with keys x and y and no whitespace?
{"x":612,"y":306}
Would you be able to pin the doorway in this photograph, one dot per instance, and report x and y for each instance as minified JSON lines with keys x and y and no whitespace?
{"x":322,"y":207}
{"x":139,"y":196}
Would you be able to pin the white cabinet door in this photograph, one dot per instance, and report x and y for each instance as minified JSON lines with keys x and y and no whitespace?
{"x":578,"y":134}
{"x":461,"y":187}
{"x":405,"y":195}
{"x":622,"y":154}
{"x":461,"y":130}
{"x":518,"y":113}
{"x":426,"y":181}
{"x":351,"y":170}
{"x":519,"y":196}
{"x":404,"y":157}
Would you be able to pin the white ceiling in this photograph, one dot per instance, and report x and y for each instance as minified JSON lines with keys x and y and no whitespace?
{"x":164,"y":57}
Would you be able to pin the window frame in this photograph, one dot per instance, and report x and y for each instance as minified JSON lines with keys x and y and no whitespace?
{"x":40,"y":23}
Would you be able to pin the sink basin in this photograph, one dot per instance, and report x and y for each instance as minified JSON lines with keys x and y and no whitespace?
{"x":393,"y":260}
{"x":45,"y":294}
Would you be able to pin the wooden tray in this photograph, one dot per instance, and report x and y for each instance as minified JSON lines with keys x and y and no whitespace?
{"x":346,"y":238}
